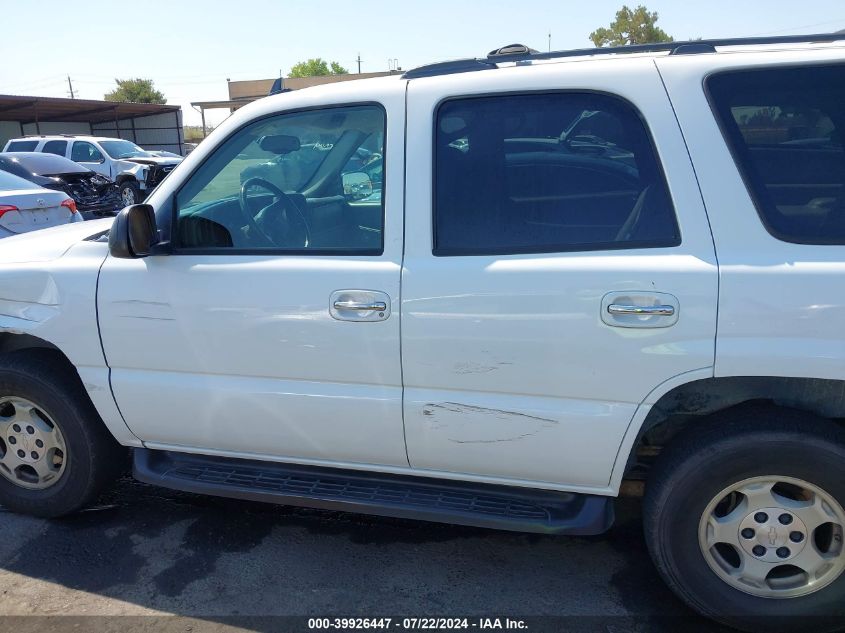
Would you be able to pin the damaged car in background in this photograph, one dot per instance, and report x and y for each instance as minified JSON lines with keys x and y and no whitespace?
{"x":96,"y":196}
{"x":25,"y":207}
{"x":135,"y":170}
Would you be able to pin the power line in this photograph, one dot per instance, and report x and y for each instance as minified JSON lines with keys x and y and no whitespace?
{"x":37,"y":83}
{"x":795,"y":28}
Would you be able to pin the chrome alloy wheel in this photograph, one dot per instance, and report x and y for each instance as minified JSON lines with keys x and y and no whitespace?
{"x":32,"y":449}
{"x":774,"y":537}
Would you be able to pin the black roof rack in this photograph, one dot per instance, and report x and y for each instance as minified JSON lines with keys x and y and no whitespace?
{"x":522,"y":53}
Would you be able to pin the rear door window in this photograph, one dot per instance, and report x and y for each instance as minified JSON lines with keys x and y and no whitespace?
{"x":544,"y":173}
{"x":784,"y":127}
{"x":55,"y":147}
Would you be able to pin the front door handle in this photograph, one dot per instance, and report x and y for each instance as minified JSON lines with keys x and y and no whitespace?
{"x":359,"y":305}
{"x":380,"y":306}
{"x":659,"y":310}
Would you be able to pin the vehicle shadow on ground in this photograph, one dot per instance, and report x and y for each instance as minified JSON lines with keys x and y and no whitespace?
{"x":217,"y":559}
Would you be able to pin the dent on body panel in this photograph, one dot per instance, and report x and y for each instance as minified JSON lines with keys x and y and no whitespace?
{"x":470,"y":424}
{"x":479,"y":367}
{"x":28,"y":297}
{"x":146,"y":310}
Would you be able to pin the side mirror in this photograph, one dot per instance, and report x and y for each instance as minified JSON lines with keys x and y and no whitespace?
{"x":134,"y":232}
{"x":357,"y":185}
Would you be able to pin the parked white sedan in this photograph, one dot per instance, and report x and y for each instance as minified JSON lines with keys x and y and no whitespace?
{"x":26,"y":207}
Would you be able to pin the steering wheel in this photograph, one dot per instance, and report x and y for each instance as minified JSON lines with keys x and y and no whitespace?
{"x":283,"y":199}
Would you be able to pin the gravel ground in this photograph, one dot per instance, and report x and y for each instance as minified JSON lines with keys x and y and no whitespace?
{"x":221,"y":565}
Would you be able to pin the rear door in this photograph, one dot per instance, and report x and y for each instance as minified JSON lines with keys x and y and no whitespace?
{"x":558,"y":268}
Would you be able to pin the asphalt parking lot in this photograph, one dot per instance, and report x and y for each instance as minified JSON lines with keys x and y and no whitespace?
{"x":228,"y":565}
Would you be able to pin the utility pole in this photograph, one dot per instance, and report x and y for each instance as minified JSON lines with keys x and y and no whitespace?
{"x":550,"y":41}
{"x":359,"y":63}
{"x":70,"y":86}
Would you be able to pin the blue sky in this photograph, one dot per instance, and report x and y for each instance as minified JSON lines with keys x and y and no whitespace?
{"x":190,"y":47}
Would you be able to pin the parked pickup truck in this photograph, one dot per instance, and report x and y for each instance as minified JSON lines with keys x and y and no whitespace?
{"x":581,"y":269}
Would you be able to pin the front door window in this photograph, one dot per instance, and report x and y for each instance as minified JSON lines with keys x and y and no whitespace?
{"x":307,"y":183}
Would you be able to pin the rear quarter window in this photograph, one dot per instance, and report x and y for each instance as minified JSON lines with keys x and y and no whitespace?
{"x":784,"y":127}
{"x":22,"y":146}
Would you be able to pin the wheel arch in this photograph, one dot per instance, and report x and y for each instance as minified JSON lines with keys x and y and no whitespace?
{"x":94,"y":381}
{"x":13,"y":341}
{"x":123,"y":177}
{"x":699,"y":401}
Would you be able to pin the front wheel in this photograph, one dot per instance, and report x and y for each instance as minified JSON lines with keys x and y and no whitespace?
{"x":745,"y":520}
{"x":55,"y":453}
{"x":130,"y":193}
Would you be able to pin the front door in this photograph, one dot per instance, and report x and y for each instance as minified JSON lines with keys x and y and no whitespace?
{"x":563,"y":280}
{"x":87,"y":155}
{"x":272,"y":330}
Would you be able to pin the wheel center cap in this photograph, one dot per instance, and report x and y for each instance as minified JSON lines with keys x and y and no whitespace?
{"x":28,"y":446}
{"x":24,"y":442}
{"x":773,"y":535}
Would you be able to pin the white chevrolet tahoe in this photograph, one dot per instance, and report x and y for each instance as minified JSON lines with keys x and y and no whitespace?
{"x":487,"y":292}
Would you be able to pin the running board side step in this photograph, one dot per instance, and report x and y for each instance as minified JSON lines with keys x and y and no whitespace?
{"x":427,"y":499}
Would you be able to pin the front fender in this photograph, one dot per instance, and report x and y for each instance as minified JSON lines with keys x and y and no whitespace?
{"x":136,"y":171}
{"x":55,"y":301}
{"x":28,"y":299}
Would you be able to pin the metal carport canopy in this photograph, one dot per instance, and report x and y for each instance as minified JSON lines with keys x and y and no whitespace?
{"x":34,"y":109}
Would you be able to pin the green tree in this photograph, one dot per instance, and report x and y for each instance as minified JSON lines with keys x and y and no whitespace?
{"x":135,"y":91}
{"x":631,"y":27}
{"x":317,"y":67}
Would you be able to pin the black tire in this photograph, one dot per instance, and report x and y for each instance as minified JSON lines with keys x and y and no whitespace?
{"x":129,"y":189}
{"x":93,"y":458}
{"x":700,"y":463}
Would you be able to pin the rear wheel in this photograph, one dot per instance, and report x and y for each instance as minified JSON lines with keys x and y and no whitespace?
{"x":55,"y":453}
{"x":745,"y":520}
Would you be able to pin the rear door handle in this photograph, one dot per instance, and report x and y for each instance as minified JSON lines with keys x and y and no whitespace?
{"x":381,"y":306}
{"x":659,"y":310}
{"x":640,"y":309}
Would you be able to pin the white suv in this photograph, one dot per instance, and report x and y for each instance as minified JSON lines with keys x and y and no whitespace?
{"x":135,"y":170}
{"x":487,"y":292}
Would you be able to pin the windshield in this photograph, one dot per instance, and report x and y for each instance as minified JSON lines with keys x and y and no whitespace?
{"x":123,"y":149}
